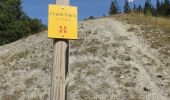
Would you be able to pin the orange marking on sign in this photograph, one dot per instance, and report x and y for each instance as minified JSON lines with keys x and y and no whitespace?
{"x":62,"y":29}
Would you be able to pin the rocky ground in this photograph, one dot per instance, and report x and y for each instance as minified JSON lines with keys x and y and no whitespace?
{"x":111,"y":60}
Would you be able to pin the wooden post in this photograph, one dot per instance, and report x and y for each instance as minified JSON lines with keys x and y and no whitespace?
{"x":60,"y":65}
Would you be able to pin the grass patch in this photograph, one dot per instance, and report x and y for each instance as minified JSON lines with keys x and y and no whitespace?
{"x":131,"y":29}
{"x":135,"y":69}
{"x":92,"y":72}
{"x":92,"y":50}
{"x":76,"y":44}
{"x":160,"y":22}
{"x":82,"y":65}
{"x":16,"y":56}
{"x":45,"y":97}
{"x":103,"y":88}
{"x":114,"y":69}
{"x":156,"y":30}
{"x":34,"y":65}
{"x":10,"y":97}
{"x":130,"y":84}
{"x":125,"y":57}
{"x":72,"y":88}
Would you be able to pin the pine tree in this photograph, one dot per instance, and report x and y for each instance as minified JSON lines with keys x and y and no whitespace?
{"x":134,"y":7}
{"x":158,"y":9}
{"x":113,"y":8}
{"x":148,"y":8}
{"x":127,"y":7}
{"x":161,"y":13}
{"x":163,"y":8}
{"x":158,"y":4}
{"x":166,"y":8}
{"x":139,"y":9}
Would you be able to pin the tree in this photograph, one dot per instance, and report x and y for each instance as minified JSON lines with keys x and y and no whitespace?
{"x":158,"y":8}
{"x":148,"y":8}
{"x":139,"y":9}
{"x":113,"y":8}
{"x":166,"y":8}
{"x":134,"y":7}
{"x":158,"y":5}
{"x":14,"y":23}
{"x":163,"y":8}
{"x":127,"y":7}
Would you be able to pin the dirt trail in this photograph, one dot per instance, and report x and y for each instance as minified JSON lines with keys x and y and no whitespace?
{"x":108,"y":62}
{"x":117,"y":64}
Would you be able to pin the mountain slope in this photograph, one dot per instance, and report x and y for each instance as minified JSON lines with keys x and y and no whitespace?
{"x":108,"y":62}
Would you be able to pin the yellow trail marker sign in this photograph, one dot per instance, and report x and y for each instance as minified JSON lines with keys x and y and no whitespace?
{"x":62,"y":22}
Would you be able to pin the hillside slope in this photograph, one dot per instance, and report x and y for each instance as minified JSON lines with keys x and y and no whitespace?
{"x":108,"y":62}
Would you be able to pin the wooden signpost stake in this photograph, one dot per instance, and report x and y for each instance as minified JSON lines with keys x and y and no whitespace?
{"x":62,"y":27}
{"x":60,"y":64}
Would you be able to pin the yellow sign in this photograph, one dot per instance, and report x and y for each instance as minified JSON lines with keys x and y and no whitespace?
{"x":62,"y":22}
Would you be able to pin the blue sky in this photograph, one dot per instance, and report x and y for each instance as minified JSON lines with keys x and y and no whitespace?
{"x":39,"y":8}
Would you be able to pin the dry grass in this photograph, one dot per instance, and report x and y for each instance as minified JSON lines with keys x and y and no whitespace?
{"x":9,"y":97}
{"x":155,"y":29}
{"x":13,"y":57}
{"x":160,"y":22}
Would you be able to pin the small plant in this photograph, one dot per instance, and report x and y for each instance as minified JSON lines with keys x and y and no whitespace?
{"x":90,"y":18}
{"x":86,"y":94}
{"x":131,"y":29}
{"x":28,"y":82}
{"x":35,"y":98}
{"x":130,"y":84}
{"x":103,"y":88}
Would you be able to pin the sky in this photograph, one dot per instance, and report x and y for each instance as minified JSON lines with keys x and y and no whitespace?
{"x":39,"y":8}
